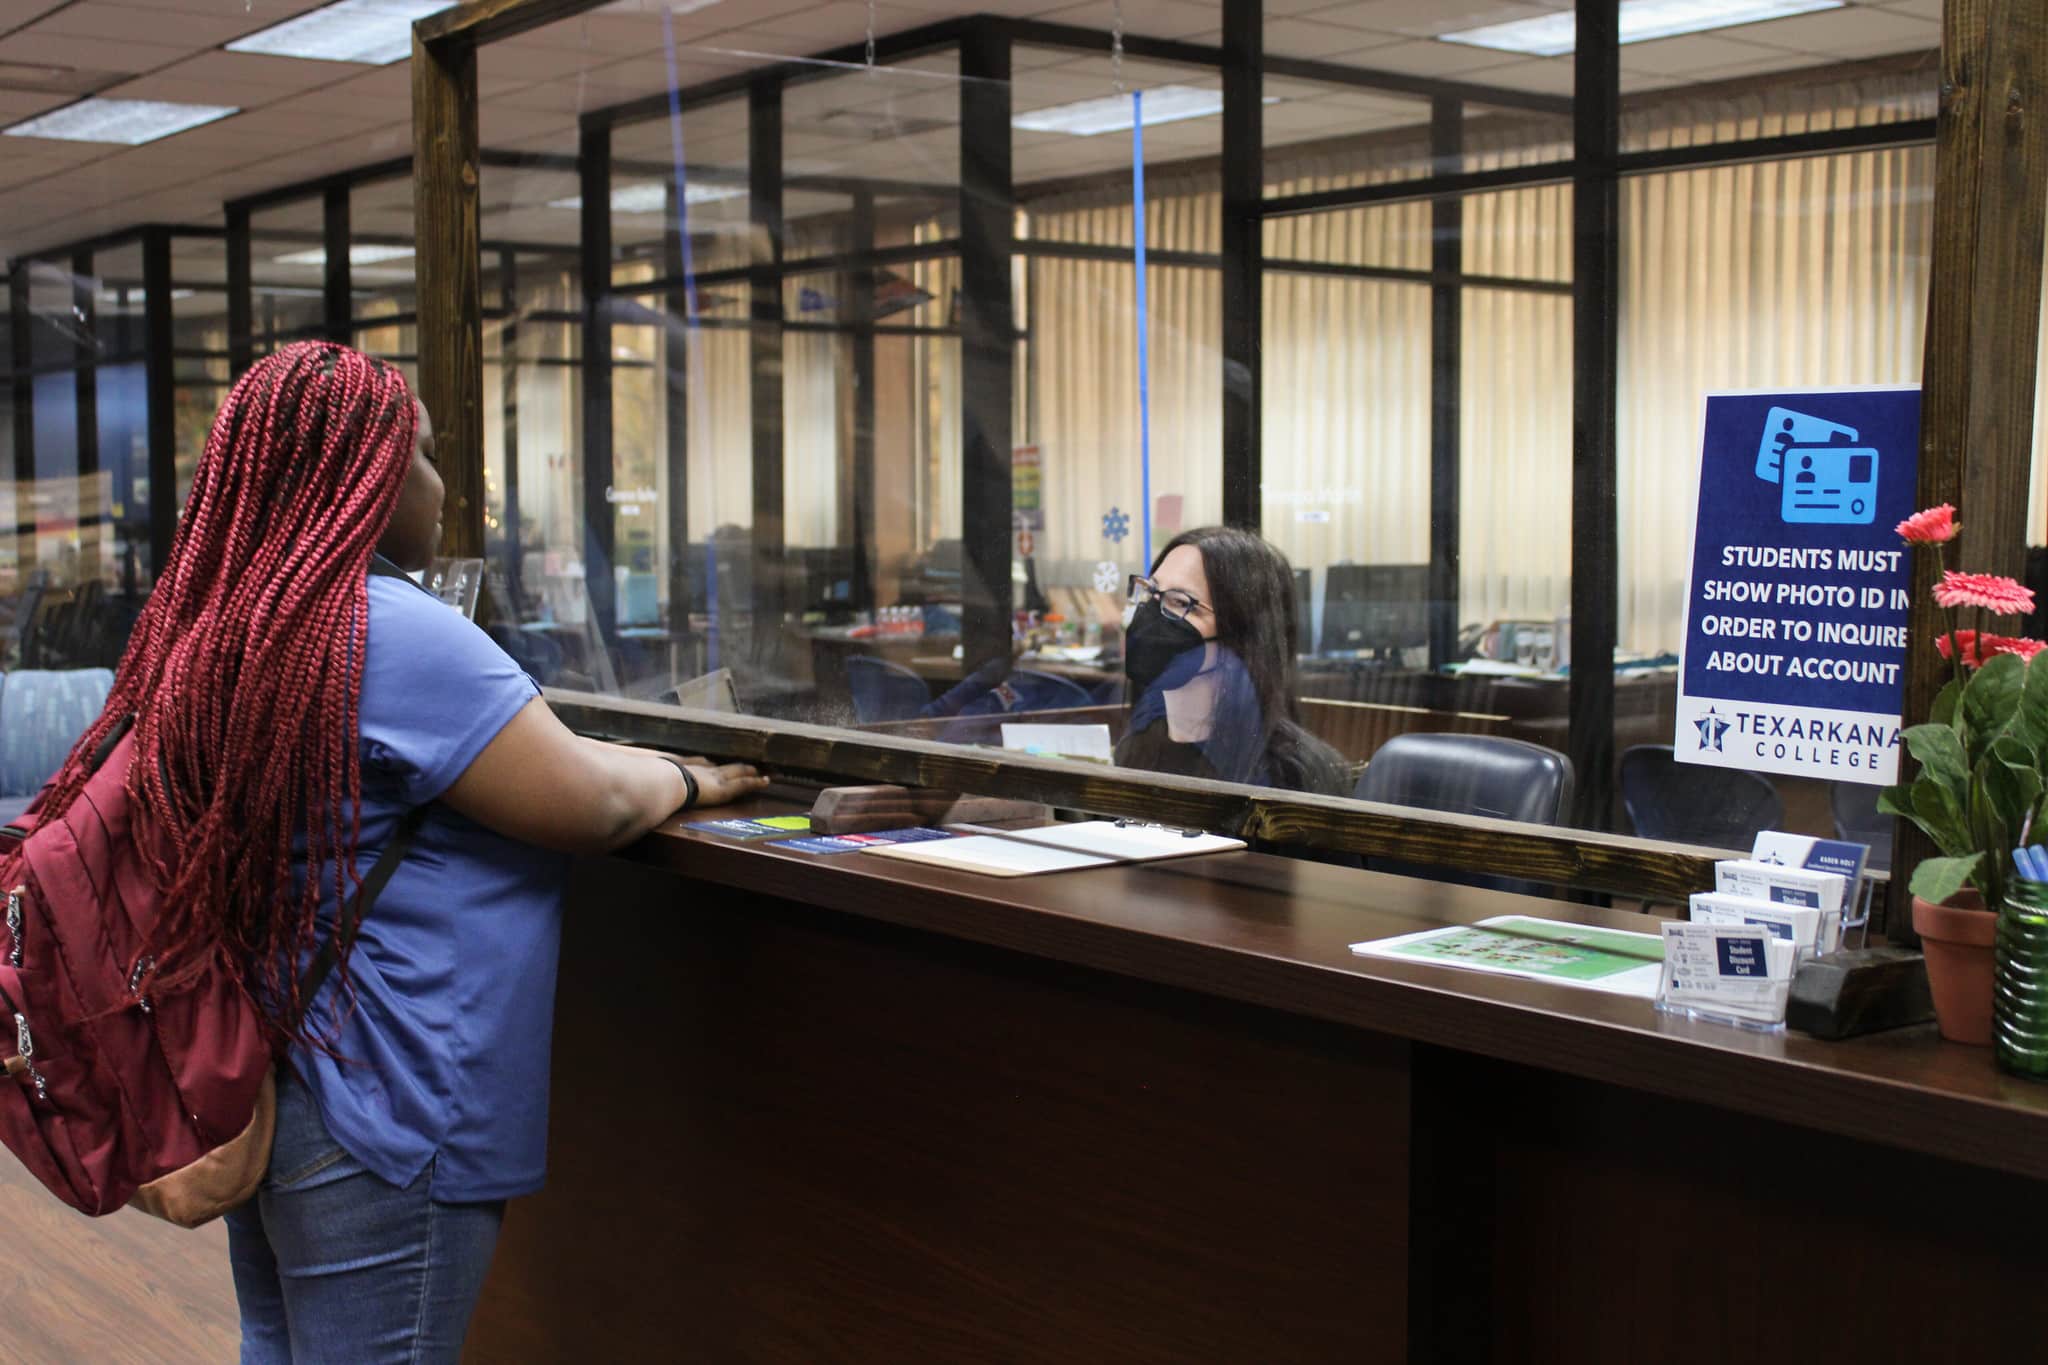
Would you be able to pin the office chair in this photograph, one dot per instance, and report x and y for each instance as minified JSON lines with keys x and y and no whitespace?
{"x":1854,"y":805}
{"x":1507,"y":779}
{"x":884,"y":691}
{"x":1027,"y":689}
{"x":1712,"y":807}
{"x":42,"y":714}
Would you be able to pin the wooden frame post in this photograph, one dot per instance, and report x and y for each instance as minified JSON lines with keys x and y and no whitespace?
{"x":450,"y":277}
{"x":1596,"y":540}
{"x":988,"y":343}
{"x":1983,"y":329}
{"x":1244,"y":285}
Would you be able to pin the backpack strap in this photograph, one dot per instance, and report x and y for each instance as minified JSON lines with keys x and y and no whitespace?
{"x":351,"y":917}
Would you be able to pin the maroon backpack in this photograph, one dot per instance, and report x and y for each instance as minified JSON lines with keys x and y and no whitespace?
{"x":110,"y":1088}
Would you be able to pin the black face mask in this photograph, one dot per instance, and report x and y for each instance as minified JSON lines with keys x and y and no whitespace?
{"x":1160,"y":652}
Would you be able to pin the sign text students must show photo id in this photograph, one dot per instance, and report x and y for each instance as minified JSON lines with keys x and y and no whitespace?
{"x":1795,"y":606}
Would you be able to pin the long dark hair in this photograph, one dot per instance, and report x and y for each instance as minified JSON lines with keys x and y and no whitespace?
{"x":1251,"y":590}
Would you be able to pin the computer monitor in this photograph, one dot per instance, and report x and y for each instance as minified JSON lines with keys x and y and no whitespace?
{"x":828,"y":579}
{"x":1375,"y":608}
{"x":1304,"y":612}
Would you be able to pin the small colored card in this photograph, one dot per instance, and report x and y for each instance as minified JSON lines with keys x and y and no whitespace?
{"x":770,"y":827}
{"x":854,"y":843}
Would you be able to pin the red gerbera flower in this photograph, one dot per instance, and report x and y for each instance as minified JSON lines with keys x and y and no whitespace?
{"x":1935,"y":526}
{"x":1990,"y":592}
{"x":1977,"y":648}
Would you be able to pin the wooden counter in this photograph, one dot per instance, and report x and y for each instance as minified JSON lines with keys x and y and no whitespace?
{"x":847,"y":1108}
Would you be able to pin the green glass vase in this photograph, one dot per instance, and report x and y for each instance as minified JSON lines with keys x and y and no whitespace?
{"x":2019,"y":1005}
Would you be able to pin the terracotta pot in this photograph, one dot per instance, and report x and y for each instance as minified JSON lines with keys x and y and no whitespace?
{"x":1956,"y":936}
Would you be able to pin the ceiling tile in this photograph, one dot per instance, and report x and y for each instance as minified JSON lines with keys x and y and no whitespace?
{"x":86,"y":54}
{"x":1434,"y":59}
{"x":1857,"y":32}
{"x":1426,"y":20}
{"x":1929,"y":10}
{"x":254,"y":68}
{"x":1310,"y":39}
{"x":171,"y":28}
{"x":1147,"y":18}
{"x":1689,"y":55}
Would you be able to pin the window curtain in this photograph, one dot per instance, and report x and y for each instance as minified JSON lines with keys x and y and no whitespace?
{"x":1082,"y":404}
{"x":1773,"y":274}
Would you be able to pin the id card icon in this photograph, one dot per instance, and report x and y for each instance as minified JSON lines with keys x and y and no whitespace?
{"x":1830,"y":485}
{"x":1784,"y":428}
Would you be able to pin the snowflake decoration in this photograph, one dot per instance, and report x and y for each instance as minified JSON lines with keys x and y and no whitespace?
{"x":1108,"y":577}
{"x":1116,"y":525}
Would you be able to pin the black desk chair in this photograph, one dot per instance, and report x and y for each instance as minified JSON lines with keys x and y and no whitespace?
{"x":1692,"y":804}
{"x":1854,"y":805}
{"x":882,"y":690}
{"x":1508,"y":779}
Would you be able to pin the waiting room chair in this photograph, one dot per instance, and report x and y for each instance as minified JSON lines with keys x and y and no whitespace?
{"x":1854,"y":805}
{"x":1507,"y":779}
{"x":1027,"y":689}
{"x":884,"y":691}
{"x":42,"y":714}
{"x":1692,"y":804}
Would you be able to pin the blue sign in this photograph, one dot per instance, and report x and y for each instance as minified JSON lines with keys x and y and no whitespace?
{"x":1795,"y":628}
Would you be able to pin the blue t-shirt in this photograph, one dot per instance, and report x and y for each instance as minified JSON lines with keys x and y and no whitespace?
{"x":445,"y":1057}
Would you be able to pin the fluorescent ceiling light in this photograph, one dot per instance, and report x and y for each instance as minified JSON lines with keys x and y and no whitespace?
{"x":129,"y":122}
{"x":1112,"y":113}
{"x":375,"y":32}
{"x":652,"y":197}
{"x":1553,"y":35}
{"x":365,"y":254}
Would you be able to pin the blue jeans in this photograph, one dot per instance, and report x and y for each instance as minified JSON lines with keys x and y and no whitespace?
{"x":332,"y":1263}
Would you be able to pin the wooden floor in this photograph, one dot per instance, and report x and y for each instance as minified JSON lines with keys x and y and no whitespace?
{"x":121,"y":1289}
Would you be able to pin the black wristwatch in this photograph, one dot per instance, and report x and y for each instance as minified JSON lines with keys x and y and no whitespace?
{"x":689,"y":781}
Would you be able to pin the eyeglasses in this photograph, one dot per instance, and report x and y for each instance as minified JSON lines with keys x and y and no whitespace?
{"x":1174,"y":604}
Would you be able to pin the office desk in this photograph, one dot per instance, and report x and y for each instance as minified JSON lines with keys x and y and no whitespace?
{"x":850,"y":1109}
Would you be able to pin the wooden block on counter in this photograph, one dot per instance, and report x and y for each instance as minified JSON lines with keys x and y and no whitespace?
{"x":1860,"y":990}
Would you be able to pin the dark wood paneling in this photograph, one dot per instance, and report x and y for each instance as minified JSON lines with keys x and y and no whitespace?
{"x":1633,"y":1229}
{"x":1276,"y":932}
{"x":1983,"y":327}
{"x":1596,"y":281}
{"x":785,"y":1136}
{"x":450,"y":281}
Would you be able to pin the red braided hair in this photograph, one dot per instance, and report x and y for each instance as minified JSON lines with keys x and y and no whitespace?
{"x":245,"y":669}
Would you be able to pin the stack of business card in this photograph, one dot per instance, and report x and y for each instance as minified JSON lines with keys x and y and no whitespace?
{"x":1731,"y":973}
{"x":1743,"y":885}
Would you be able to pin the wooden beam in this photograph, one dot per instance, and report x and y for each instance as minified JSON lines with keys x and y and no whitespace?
{"x":1446,"y":383}
{"x":765,"y":364}
{"x":1567,"y":857}
{"x":600,"y":523}
{"x":476,"y":22}
{"x":1983,"y":324}
{"x":450,"y":279}
{"x":338,"y":305}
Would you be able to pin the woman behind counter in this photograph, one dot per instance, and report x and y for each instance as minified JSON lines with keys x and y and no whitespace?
{"x":1209,"y":651}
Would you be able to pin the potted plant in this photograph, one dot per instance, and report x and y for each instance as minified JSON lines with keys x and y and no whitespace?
{"x":1983,"y":753}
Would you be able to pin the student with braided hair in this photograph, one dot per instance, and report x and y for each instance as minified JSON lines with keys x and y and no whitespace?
{"x":294,"y":697}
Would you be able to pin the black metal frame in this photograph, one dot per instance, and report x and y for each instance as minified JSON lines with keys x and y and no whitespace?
{"x":985,"y":248}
